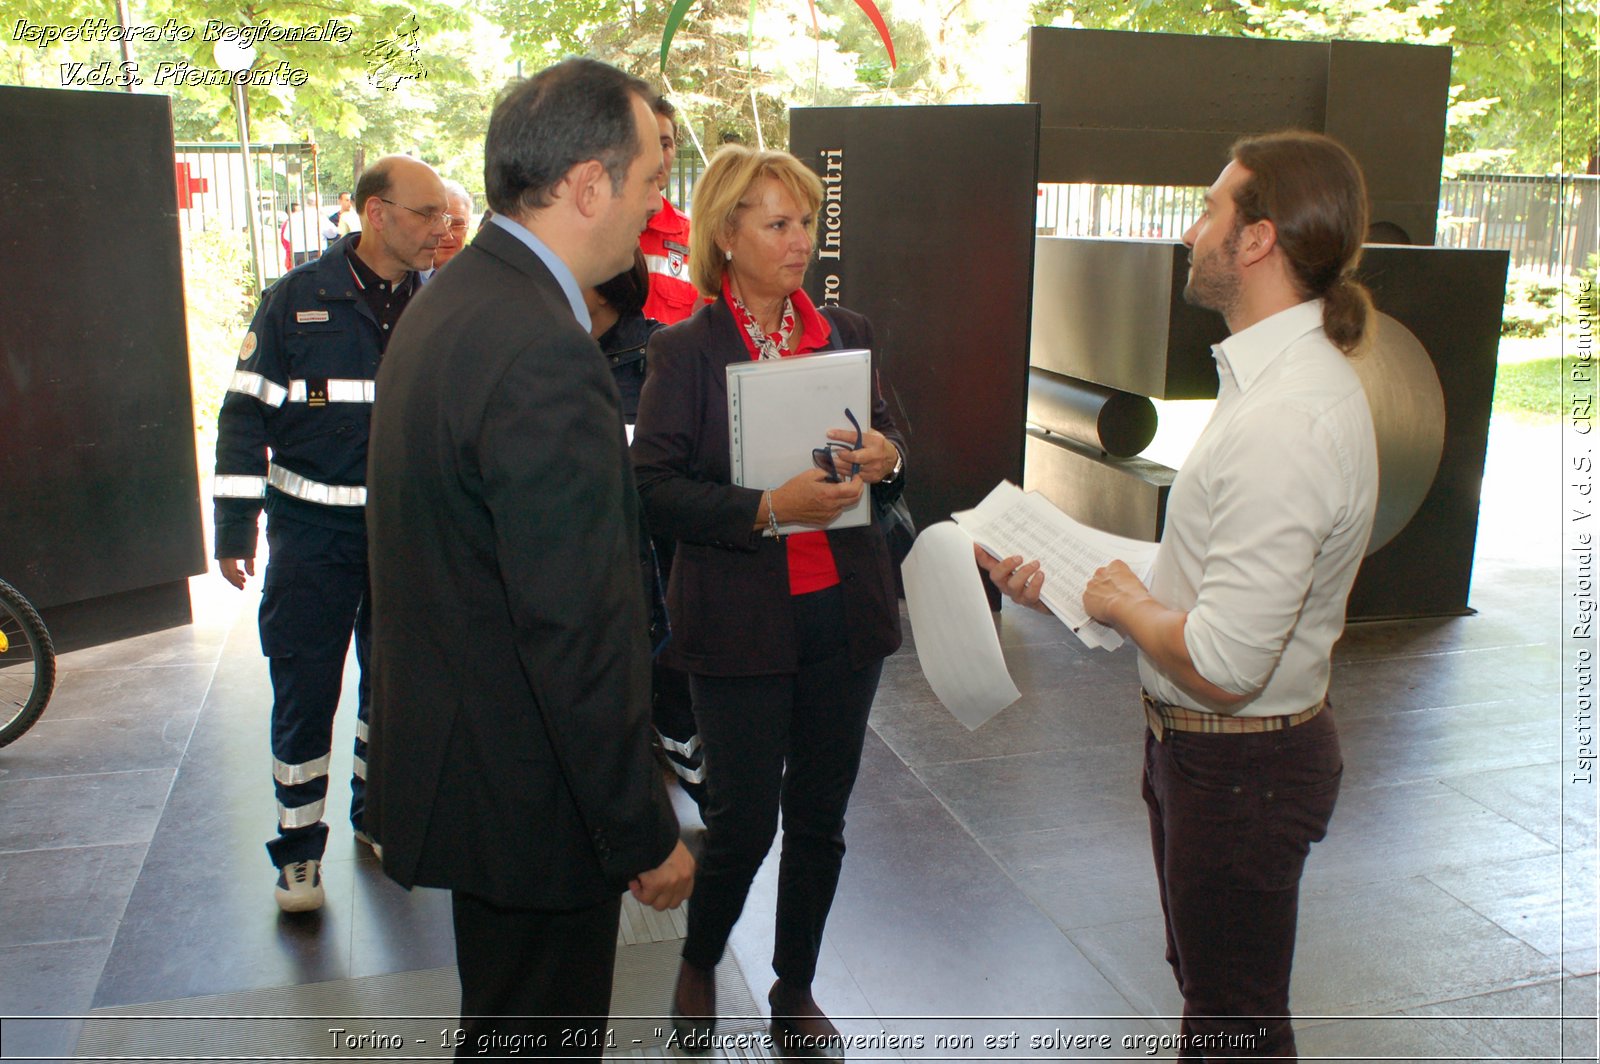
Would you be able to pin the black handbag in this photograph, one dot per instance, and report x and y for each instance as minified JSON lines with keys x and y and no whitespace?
{"x":894,"y":518}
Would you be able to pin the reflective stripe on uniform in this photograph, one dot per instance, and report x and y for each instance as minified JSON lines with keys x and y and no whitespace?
{"x":254,"y":384}
{"x":687,"y":774}
{"x":312,"y":491}
{"x":339,"y":391}
{"x":359,"y":769}
{"x":301,"y":816}
{"x":227,"y":486}
{"x":361,"y":731}
{"x":687,"y":749}
{"x":289,"y":775}
{"x":661,"y":264}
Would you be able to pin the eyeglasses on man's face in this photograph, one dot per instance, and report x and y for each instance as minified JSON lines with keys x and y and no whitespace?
{"x":823,"y":457}
{"x":436,"y":218}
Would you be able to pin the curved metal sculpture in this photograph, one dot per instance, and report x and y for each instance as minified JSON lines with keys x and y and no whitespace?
{"x":1408,"y":416}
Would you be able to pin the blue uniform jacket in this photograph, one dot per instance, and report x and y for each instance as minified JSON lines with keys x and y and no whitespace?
{"x":292,"y":434}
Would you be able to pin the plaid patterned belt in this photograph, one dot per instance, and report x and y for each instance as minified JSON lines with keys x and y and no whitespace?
{"x":1163,"y":716}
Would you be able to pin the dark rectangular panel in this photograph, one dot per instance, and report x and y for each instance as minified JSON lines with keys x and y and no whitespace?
{"x":98,"y":489}
{"x":109,"y":618}
{"x":1111,"y":311}
{"x":1123,"y":496}
{"x":1386,"y":103}
{"x":1160,"y":90}
{"x":938,"y":254}
{"x":1134,"y":157}
{"x":1162,"y":109}
{"x":1451,"y":301}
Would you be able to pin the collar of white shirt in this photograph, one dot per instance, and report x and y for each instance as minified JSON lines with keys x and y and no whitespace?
{"x":1248,"y":352}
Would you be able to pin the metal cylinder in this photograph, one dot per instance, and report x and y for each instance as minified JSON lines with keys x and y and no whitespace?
{"x":1117,"y":423}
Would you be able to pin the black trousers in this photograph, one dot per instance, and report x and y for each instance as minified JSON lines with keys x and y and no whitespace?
{"x":790,"y":744}
{"x":534,"y":982}
{"x":671,"y":705}
{"x":1232,"y":818}
{"x":314,"y":599}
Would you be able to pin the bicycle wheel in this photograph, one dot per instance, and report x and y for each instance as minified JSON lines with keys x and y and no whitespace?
{"x":27,"y":664}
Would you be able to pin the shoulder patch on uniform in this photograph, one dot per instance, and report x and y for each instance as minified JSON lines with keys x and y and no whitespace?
{"x":303,"y":316}
{"x":247,"y":348}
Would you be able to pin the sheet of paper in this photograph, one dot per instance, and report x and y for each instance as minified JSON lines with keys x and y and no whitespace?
{"x":957,"y":645}
{"x":1011,"y":521}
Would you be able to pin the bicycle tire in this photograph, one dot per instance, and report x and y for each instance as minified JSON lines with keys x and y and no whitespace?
{"x":27,"y":665}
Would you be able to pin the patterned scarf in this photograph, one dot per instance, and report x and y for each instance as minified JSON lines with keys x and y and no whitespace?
{"x":768,"y":345}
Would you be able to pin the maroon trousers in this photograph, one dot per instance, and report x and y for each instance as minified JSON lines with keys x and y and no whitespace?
{"x":1232,"y":818}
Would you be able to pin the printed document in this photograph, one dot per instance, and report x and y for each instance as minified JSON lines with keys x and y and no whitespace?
{"x":1011,"y":521}
{"x":957,"y":645}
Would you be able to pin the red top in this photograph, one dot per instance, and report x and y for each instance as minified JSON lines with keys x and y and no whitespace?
{"x":811,"y":565}
{"x":665,"y":243}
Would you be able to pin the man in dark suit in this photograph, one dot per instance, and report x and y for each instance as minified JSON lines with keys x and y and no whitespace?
{"x":510,"y":754}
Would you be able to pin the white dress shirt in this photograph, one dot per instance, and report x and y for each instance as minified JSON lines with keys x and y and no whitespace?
{"x":1269,"y":518}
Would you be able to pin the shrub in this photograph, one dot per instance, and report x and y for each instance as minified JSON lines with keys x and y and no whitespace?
{"x":216,"y":284}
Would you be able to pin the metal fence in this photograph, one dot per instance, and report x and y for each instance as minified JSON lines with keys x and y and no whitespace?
{"x":1160,"y":212}
{"x":686,"y":171}
{"x":213,"y":195}
{"x":1549,"y":224}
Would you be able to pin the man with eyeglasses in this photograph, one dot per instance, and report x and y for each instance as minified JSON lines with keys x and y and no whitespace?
{"x":460,"y":201}
{"x":292,"y":439}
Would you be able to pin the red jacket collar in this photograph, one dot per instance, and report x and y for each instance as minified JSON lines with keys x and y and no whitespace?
{"x":814,"y":328}
{"x":669,"y":221}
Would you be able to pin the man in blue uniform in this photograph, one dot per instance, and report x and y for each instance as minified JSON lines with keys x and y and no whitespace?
{"x":292,"y":438}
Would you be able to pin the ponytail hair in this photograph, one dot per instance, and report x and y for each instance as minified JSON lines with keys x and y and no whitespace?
{"x":1346,"y":310}
{"x":1311,"y":189}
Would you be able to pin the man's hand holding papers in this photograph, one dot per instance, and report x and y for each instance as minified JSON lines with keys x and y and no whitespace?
{"x":1012,"y":525}
{"x":957,"y":644}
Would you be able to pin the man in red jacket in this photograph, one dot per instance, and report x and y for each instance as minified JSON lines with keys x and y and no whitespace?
{"x":666,"y":242}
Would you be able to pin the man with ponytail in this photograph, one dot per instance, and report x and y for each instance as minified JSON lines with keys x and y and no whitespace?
{"x":1266,"y":525}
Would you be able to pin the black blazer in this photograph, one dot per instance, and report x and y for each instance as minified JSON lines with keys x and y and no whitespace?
{"x":728,"y":596}
{"x":510,"y":751}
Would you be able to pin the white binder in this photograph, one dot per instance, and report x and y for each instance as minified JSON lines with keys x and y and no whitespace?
{"x":779,"y":409}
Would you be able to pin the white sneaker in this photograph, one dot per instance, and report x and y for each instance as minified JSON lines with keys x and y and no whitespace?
{"x":377,"y":850}
{"x":299,"y":887}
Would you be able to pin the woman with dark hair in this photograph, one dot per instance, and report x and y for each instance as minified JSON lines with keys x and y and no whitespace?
{"x":783,"y":636}
{"x":618,"y":325}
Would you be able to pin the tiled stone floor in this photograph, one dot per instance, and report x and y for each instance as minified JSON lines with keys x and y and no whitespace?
{"x":997,"y":881}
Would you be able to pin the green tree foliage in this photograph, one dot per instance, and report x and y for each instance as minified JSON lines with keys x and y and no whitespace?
{"x":350,"y":85}
{"x":1538,"y":61}
{"x":710,"y":77}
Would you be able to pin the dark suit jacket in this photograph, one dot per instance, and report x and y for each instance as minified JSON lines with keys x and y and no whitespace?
{"x":728,"y":597}
{"x":510,"y":752}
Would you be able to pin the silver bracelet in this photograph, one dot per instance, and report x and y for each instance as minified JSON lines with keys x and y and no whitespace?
{"x":772,"y":517}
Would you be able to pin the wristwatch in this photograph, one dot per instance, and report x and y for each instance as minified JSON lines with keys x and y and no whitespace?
{"x":899,"y":464}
